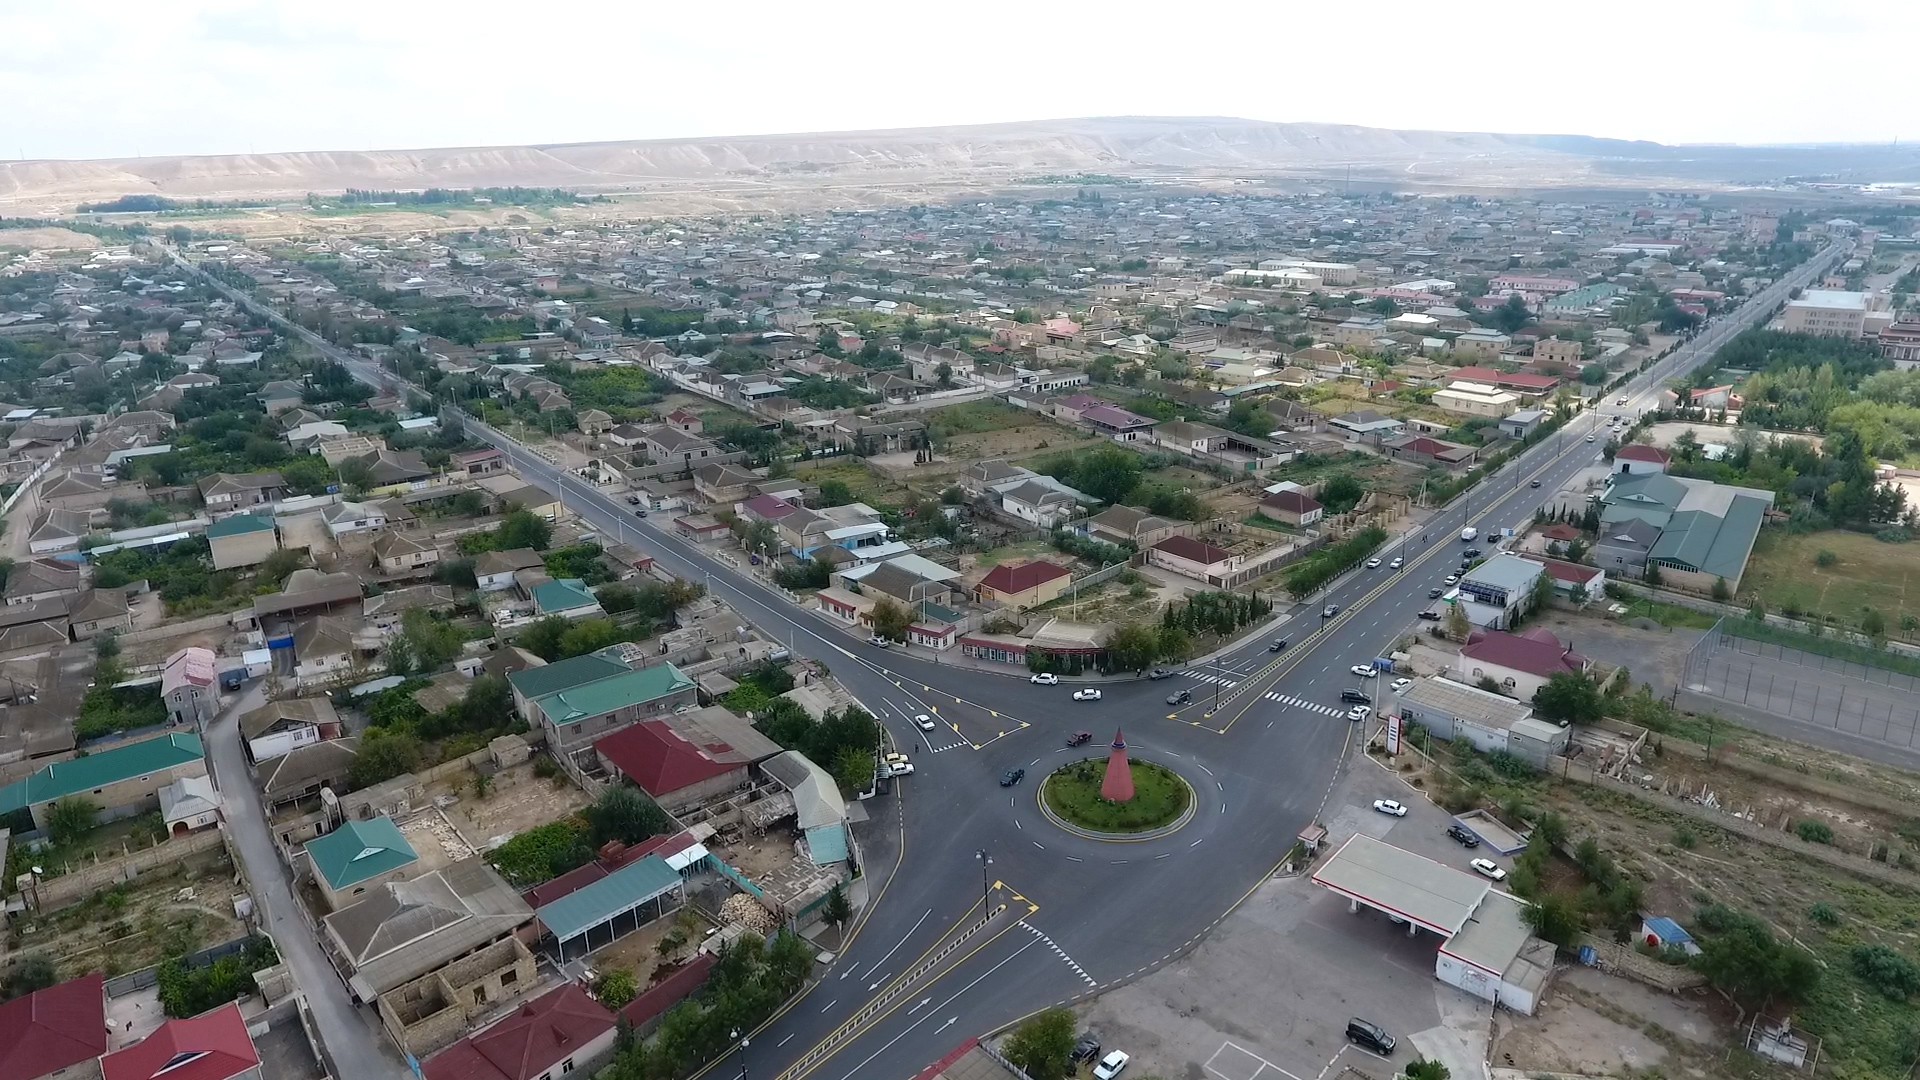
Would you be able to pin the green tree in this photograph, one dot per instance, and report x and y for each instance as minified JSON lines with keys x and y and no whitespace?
{"x":943,"y":375}
{"x":542,"y":639}
{"x":616,"y":989}
{"x":35,"y":972}
{"x":760,"y":538}
{"x":278,"y":565}
{"x":69,"y":820}
{"x":384,"y":754}
{"x":1132,"y":647}
{"x":890,"y":620}
{"x":1174,"y":643}
{"x":1427,"y":1069}
{"x":837,"y":909}
{"x":1043,"y":1046}
{"x":1459,"y":627}
{"x":835,"y":493}
{"x":1745,"y":960}
{"x":523,"y":529}
{"x":1340,"y":493}
{"x":1556,"y":917}
{"x":1874,"y":625}
{"x":1108,"y":474}
{"x":1569,"y":696}
{"x":425,"y":643}
{"x":852,"y":768}
{"x":625,"y":814}
{"x":1542,"y":595}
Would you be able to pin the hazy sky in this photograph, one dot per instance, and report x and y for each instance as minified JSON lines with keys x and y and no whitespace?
{"x":113,"y":79}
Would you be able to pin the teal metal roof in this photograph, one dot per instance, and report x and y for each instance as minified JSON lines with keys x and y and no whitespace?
{"x":562,"y":595}
{"x":828,"y":844}
{"x":358,"y":851}
{"x":616,"y":894}
{"x":1709,"y":543}
{"x":83,"y":774}
{"x":239,"y":524}
{"x":619,"y":691}
{"x":536,"y":682}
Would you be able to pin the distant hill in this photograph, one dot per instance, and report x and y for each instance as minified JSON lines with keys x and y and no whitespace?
{"x":990,"y":154}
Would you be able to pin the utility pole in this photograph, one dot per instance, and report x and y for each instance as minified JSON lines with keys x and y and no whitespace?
{"x":986,"y":882}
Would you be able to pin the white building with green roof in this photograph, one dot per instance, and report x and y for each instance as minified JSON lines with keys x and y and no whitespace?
{"x":358,"y":856}
{"x":583,"y":698}
{"x":122,"y":781}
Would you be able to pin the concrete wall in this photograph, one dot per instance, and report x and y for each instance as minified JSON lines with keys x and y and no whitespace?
{"x":78,"y":883}
{"x":435,"y":1009}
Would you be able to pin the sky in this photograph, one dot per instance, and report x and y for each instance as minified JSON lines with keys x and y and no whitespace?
{"x":102,"y":78}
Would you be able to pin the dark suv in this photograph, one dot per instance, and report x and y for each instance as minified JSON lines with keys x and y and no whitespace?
{"x":1012,"y":777}
{"x":1357,"y":696}
{"x":1087,"y":1049}
{"x":1466,"y":838}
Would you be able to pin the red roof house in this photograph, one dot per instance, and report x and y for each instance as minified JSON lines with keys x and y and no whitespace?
{"x":1292,"y":507}
{"x":564,"y":1028}
{"x":53,"y":1029}
{"x":212,"y":1046}
{"x":1638,"y":459}
{"x":1025,"y":584}
{"x":1521,"y":662}
{"x":654,"y":1002}
{"x":683,"y":759}
{"x":1185,"y":555}
{"x":1514,"y":380}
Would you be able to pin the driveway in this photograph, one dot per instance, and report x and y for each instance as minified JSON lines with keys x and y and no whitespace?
{"x":356,"y":1044}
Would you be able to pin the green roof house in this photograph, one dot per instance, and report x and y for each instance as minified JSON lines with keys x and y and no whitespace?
{"x":567,"y":597}
{"x":581,"y":699}
{"x":123,"y":781}
{"x":242,"y":540}
{"x":358,"y":856}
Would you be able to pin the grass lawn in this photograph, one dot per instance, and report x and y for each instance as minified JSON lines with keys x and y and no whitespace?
{"x":1159,"y":797}
{"x":1786,"y":575}
{"x":972,"y":417}
{"x":1026,"y":551}
{"x":864,"y":484}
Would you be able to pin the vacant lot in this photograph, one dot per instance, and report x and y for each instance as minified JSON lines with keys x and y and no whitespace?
{"x":1787,"y":576}
{"x":981,"y":430}
{"x":176,"y":909}
{"x":864,"y":484}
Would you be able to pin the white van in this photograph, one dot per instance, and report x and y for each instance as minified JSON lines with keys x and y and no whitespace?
{"x":1469,"y":534}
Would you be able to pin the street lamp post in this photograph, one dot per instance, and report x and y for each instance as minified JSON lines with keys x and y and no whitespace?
{"x":986,"y":884}
{"x":740,"y":1053}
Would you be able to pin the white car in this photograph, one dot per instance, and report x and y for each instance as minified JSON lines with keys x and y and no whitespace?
{"x":1364,"y":671}
{"x":923,"y":722}
{"x":1389,"y":807}
{"x":1395,"y":564}
{"x":1045,"y":678}
{"x":1487,"y":868}
{"x":1359,"y":713}
{"x":1452,"y":579}
{"x":1622,"y":401}
{"x":904,"y":768}
{"x":1111,"y":1065}
{"x":1373,"y":564}
{"x":1400,"y":685}
{"x":1086,"y":695}
{"x":879,"y":642}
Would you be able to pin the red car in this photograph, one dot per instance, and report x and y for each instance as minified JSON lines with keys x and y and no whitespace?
{"x":1080,"y":738}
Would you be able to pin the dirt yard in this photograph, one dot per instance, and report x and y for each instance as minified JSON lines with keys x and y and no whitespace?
{"x":135,"y":925}
{"x":1600,"y":1025}
{"x":517,"y":801}
{"x":639,"y":952}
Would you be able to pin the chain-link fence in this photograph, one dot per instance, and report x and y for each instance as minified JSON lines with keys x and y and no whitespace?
{"x":1839,"y":688}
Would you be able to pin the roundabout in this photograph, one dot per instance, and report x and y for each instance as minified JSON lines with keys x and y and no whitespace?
{"x":1118,"y":799}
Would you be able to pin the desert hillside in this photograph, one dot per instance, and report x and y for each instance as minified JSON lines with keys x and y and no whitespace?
{"x":989,"y":154}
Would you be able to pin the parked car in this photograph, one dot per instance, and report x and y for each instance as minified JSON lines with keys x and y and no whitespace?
{"x":1364,"y":672}
{"x":1087,"y":1049}
{"x":1045,"y":678}
{"x":923,"y":722}
{"x":1464,"y":835}
{"x":904,"y":768}
{"x":1430,"y":613}
{"x":1373,"y":564}
{"x":1621,"y":401}
{"x":1159,"y":673}
{"x":1400,"y":685}
{"x":1111,"y":1065}
{"x":1370,"y":1036}
{"x":1473,"y":553}
{"x":640,"y":513}
{"x":1012,"y":777}
{"x":879,"y":642}
{"x":1452,"y":579}
{"x":1086,"y":695}
{"x":1389,"y":807}
{"x":1353,"y":696}
{"x":1589,"y":438}
{"x":1080,"y":738}
{"x":1359,"y":713}
{"x":1487,"y":868}
{"x":1279,"y":644}
{"x":1180,"y":697}
{"x":895,"y":759}
{"x":633,"y":500}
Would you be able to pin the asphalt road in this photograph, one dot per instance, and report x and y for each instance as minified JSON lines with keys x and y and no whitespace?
{"x":1263,"y":763}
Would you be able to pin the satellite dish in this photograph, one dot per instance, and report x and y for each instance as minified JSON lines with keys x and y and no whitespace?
{"x":37,"y":872}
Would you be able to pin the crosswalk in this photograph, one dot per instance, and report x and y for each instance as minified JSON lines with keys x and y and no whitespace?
{"x":1310,"y":706}
{"x":1210,"y":678}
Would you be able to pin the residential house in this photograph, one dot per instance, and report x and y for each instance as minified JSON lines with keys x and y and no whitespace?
{"x":1035,"y":502}
{"x":308,"y":591}
{"x":1475,"y":399}
{"x":1521,"y":663}
{"x":567,"y":598}
{"x":280,"y":395}
{"x":550,"y":1037}
{"x":300,"y":774}
{"x":1023,"y":585}
{"x":242,"y":540}
{"x":345,"y":518}
{"x":983,"y":477}
{"x":1499,"y":591}
{"x":357,"y":857}
{"x":398,"y":554}
{"x":395,"y":469}
{"x":1482,"y":344}
{"x":189,"y":804}
{"x":92,"y":612}
{"x":1430,"y":452}
{"x":578,"y":700}
{"x":84,"y":490}
{"x":1554,"y":350}
{"x":495,"y":570}
{"x":901,"y":582}
{"x":1582,"y":584}
{"x":215,"y":1045}
{"x":865,"y":438}
{"x":1131,"y":525}
{"x":122,"y":781}
{"x":57,"y":1031}
{"x":1113,"y":422}
{"x":225,"y":493}
{"x":189,"y":686}
{"x":1367,"y":427}
{"x":59,"y":530}
{"x":593,"y":422}
{"x":473,"y":464}
{"x":323,"y":649}
{"x":1291,"y":507}
{"x":668,"y":444}
{"x":1189,"y":557}
{"x":687,"y":758}
{"x":1621,"y":547}
{"x":1639,"y":459}
{"x":284,"y":725}
{"x":440,"y":921}
{"x":721,"y":485}
{"x":1520,"y":424}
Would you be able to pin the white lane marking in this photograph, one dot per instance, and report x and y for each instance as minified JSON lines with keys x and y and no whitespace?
{"x":976,"y":981}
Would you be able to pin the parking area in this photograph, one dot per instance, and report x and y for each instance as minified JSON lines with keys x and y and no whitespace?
{"x":1269,"y":993}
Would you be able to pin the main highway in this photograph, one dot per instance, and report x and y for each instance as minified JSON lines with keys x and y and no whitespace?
{"x":1083,"y":915}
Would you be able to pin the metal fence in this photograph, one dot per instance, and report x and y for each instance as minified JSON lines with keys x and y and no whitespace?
{"x":1771,"y":677}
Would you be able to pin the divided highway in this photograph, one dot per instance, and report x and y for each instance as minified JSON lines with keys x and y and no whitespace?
{"x":1263,"y":765}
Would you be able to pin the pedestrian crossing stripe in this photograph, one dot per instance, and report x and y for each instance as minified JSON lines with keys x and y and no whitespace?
{"x":1310,"y":706}
{"x":1210,"y":678}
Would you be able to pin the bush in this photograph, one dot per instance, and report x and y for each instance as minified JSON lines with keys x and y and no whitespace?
{"x":1886,"y":971}
{"x":1684,"y":837}
{"x":186,"y":991}
{"x":1824,"y":915}
{"x":1813,"y":832}
{"x":1825,"y":558}
{"x":542,"y":853}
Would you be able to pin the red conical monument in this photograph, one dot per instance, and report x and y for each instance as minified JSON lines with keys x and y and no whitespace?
{"x":1117,"y":785}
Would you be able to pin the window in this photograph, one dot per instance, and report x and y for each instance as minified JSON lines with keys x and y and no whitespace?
{"x":510,"y":976}
{"x":566,"y":1067}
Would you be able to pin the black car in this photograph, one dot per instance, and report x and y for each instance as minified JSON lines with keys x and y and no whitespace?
{"x":1359,"y":697}
{"x":639,"y":513}
{"x":1473,"y":553}
{"x":1536,"y":483}
{"x":1012,"y":777}
{"x":1279,"y":645}
{"x":1370,"y":1036}
{"x":1159,"y":673}
{"x":1080,"y":738}
{"x":1179,"y":697}
{"x":1434,"y":594}
{"x":1087,"y":1049}
{"x":1466,"y":838}
{"x":1430,"y":615}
